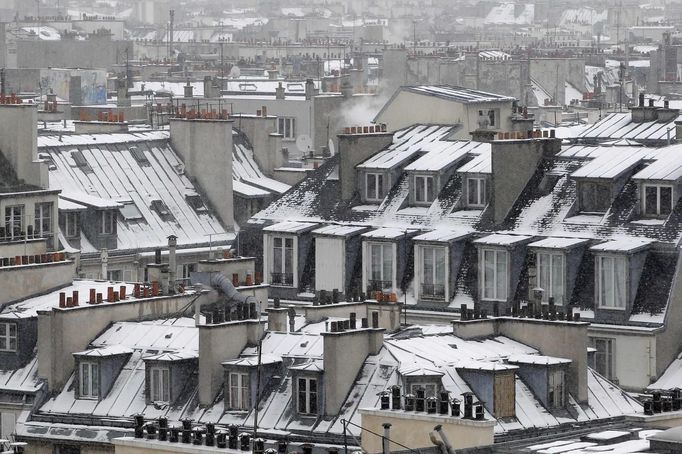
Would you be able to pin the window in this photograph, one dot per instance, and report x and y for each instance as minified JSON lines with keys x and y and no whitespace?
{"x":504,"y":400}
{"x":129,"y":211}
{"x":89,"y":380}
{"x":487,"y":118}
{"x":657,"y":200}
{"x":282,"y":261}
{"x":287,"y":127}
{"x":594,"y":197}
{"x":603,"y":357}
{"x":307,"y":395}
{"x":551,"y":276}
{"x":239,"y":391}
{"x":430,"y":389}
{"x":72,"y":224}
{"x":433,"y":269}
{"x":14,"y":216}
{"x":159,"y":388}
{"x":375,"y":186}
{"x":8,"y":337}
{"x":43,"y":219}
{"x":423,"y":189}
{"x":476,"y":195}
{"x":380,"y":266}
{"x":494,"y":274}
{"x":114,"y":275}
{"x":611,"y":280}
{"x":108,"y":225}
{"x":187,"y":269}
{"x":556,"y":388}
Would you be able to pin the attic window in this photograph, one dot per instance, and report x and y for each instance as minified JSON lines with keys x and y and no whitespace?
{"x":194,"y":200}
{"x":80,"y":161}
{"x":161,"y":209}
{"x":129,"y":211}
{"x":139,"y":156}
{"x":247,"y":87}
{"x":295,"y":87}
{"x":594,"y":197}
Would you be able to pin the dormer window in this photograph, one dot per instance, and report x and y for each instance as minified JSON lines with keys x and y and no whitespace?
{"x":423,"y":189}
{"x":14,"y":221}
{"x":239,"y":391}
{"x":657,"y":200}
{"x":430,"y":389}
{"x":374,"y":187}
{"x":611,"y":280}
{"x":594,"y":197}
{"x":107,"y":222}
{"x":282,"y":261}
{"x":555,"y":388}
{"x":433,"y":270}
{"x":551,"y":276}
{"x":43,"y":219}
{"x":380,"y":266}
{"x":159,"y":386}
{"x":72,"y":224}
{"x":476,"y":192}
{"x":306,"y":395}
{"x":494,"y":274}
{"x":8,"y":337}
{"x":89,"y":380}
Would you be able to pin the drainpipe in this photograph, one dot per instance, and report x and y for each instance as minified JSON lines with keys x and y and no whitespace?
{"x":386,"y":439}
{"x":104,"y":259}
{"x":446,"y":442}
{"x":172,"y":263}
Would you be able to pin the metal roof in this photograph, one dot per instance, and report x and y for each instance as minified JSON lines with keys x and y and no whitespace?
{"x":444,"y":154}
{"x":458,"y":94}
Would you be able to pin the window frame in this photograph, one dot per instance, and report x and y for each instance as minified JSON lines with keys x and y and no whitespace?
{"x":284,"y":266}
{"x":242,"y":387}
{"x":89,"y":388}
{"x":72,"y":222}
{"x":308,"y":409}
{"x":107,"y":222}
{"x":549,"y":291}
{"x":594,"y":185}
{"x":609,"y":356}
{"x":161,"y":390}
{"x":379,"y":194}
{"x":286,"y":126}
{"x":658,"y":188}
{"x":426,"y":386}
{"x":383,"y":247}
{"x":421,"y":187}
{"x":600,"y":260}
{"x":556,"y":389}
{"x":7,"y":338}
{"x":429,"y":252}
{"x":481,"y":199}
{"x":482,"y":274}
{"x":12,"y":220}
{"x":42,"y":214}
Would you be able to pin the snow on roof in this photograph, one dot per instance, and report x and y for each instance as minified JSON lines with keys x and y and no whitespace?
{"x":607,"y":167}
{"x":385,"y":233}
{"x":252,"y":361}
{"x":110,"y":350}
{"x":506,"y":14}
{"x":152,"y":337}
{"x":25,"y":379}
{"x":483,"y":163}
{"x":629,"y":245}
{"x":247,"y":176}
{"x":290,"y":227}
{"x":310,"y":366}
{"x":406,"y":143}
{"x":68,"y":205}
{"x":500,"y":239}
{"x":620,"y":126}
{"x":172,"y":356}
{"x":539,"y":360}
{"x":30,"y":306}
{"x":101,"y":169}
{"x":340,"y":230}
{"x":444,"y":235}
{"x":420,"y":371}
{"x":668,"y":166}
{"x":44,"y":33}
{"x":559,"y":243}
{"x":442,"y":155}
{"x":458,"y":94}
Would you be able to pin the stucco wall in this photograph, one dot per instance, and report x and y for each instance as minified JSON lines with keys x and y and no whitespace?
{"x":38,"y":278}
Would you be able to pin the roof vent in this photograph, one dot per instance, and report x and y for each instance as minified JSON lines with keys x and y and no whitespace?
{"x":194,"y":200}
{"x":129,"y":211}
{"x":139,"y":156}
{"x":161,"y":209}
{"x":80,"y":161}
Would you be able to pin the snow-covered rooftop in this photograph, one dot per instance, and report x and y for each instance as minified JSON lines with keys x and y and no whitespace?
{"x":458,"y":94}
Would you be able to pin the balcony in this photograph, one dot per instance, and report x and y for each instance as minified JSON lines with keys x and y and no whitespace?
{"x":283,"y":279}
{"x":432,"y":291}
{"x":375,"y":285}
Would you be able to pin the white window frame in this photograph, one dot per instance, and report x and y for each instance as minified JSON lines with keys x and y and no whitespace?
{"x":546,"y":263}
{"x":89,"y":380}
{"x":422,"y":181}
{"x":658,"y":188}
{"x":239,"y":395}
{"x":72,"y":224}
{"x":159,"y":384}
{"x":108,"y":225}
{"x":286,"y":126}
{"x":282,"y":251}
{"x":429,"y":253}
{"x":307,"y":410}
{"x":611,"y":274}
{"x":556,"y":379}
{"x":8,"y":336}
{"x":430,"y":388}
{"x":479,"y":199}
{"x":496,"y":254}
{"x":383,"y":248}
{"x":609,"y":355}
{"x":14,"y":216}
{"x":43,"y":212}
{"x":378,"y":194}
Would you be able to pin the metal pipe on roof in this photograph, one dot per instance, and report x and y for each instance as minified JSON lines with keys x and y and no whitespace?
{"x":224,"y":284}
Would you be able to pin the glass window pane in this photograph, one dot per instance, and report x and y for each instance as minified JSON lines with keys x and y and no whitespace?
{"x":85,"y":379}
{"x":427,"y":256}
{"x":471,"y":191}
{"x":380,"y":186}
{"x":557,"y":286}
{"x":650,"y":200}
{"x":371,"y":186}
{"x":666,"y":201}
{"x":619,"y":282}
{"x":419,"y":189}
{"x":387,"y":273}
{"x":543,"y":274}
{"x":429,"y":189}
{"x":439,"y":265}
{"x":94,"y":371}
{"x":501,"y":275}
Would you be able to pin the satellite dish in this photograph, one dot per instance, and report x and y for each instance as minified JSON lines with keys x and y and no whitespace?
{"x":304,"y":143}
{"x":332,"y":152}
{"x":235,"y":72}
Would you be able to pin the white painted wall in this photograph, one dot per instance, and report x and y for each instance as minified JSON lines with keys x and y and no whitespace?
{"x":330,"y":263}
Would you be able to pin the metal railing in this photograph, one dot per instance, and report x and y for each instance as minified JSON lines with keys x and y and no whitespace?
{"x":432,"y":291}
{"x":284,"y":279}
{"x":375,"y":285}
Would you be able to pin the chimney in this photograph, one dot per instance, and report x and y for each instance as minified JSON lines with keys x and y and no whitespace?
{"x":345,"y":351}
{"x":19,"y":142}
{"x":222,"y":342}
{"x":273,"y":74}
{"x":354,"y":149}
{"x":310,"y":90}
{"x":278,"y":319}
{"x":346,"y":87}
{"x":172,"y":263}
{"x":189,"y":89}
{"x":279,"y":92}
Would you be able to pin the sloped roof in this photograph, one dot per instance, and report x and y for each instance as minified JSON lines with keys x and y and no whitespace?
{"x":620,"y":126}
{"x":458,"y":94}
